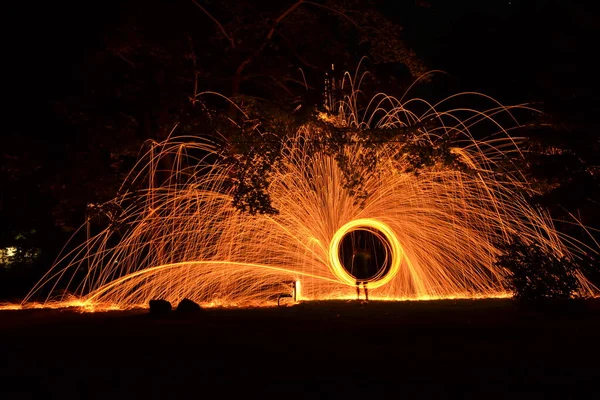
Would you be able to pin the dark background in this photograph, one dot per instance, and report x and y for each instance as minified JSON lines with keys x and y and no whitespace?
{"x":87,"y":82}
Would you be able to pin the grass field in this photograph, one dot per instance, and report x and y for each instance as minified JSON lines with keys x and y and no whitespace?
{"x":394,"y":350}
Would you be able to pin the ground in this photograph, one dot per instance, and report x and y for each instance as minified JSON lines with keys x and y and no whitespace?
{"x":436,"y":349}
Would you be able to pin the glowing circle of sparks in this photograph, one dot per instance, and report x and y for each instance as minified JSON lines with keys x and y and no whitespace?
{"x":397,"y":253}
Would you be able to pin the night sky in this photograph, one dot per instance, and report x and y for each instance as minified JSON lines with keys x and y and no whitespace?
{"x":516,"y":51}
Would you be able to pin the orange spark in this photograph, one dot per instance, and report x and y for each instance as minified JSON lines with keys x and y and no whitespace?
{"x":184,"y":238}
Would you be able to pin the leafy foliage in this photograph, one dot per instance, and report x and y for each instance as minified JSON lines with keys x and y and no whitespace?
{"x":256,"y":147}
{"x":536,"y":273}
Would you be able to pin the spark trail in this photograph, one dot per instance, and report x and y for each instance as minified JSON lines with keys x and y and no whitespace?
{"x":183,"y":238}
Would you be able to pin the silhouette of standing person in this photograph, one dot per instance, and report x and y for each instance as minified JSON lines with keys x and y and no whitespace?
{"x":361,"y":261}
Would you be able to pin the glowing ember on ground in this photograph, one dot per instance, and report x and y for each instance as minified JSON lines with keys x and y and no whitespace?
{"x":184,"y":239}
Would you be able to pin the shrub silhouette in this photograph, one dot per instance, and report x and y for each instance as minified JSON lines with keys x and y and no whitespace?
{"x":536,"y":274}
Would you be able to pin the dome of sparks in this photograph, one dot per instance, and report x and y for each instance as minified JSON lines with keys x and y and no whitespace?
{"x":436,"y":231}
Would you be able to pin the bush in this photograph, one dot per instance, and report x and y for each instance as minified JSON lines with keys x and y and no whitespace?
{"x":536,"y":274}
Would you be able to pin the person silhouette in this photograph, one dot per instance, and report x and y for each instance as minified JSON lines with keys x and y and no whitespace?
{"x":361,"y":261}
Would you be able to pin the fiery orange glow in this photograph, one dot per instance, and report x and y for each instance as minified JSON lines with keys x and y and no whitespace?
{"x":182,"y":237}
{"x":396,"y":253}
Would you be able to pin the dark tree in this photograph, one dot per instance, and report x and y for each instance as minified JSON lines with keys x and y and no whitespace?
{"x":538,"y":274}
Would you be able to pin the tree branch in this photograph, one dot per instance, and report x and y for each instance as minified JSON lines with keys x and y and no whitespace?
{"x":282,"y":85}
{"x":289,"y":79}
{"x":193,"y":99}
{"x":248,"y":60}
{"x":334,"y":11}
{"x":223,"y":31}
{"x":238,"y":72}
{"x":127,"y":60}
{"x":302,"y":60}
{"x":282,"y":16}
